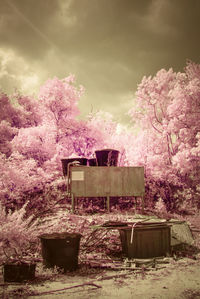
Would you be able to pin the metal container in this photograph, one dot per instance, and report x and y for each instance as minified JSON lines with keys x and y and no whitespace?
{"x":146,"y":240}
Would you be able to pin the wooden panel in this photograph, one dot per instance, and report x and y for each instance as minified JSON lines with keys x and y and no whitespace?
{"x":147,"y":242}
{"x":133,"y":180}
{"x":115,"y":179}
{"x":103,"y":181}
{"x":96,"y":182}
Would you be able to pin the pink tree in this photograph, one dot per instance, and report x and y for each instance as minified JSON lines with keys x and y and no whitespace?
{"x":58,"y":133}
{"x":168,"y":110}
{"x":60,"y":100}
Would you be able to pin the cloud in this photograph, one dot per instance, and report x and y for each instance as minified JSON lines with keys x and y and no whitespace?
{"x":156,"y":20}
{"x":108,"y":45}
{"x":16,"y":73}
{"x":24,"y":26}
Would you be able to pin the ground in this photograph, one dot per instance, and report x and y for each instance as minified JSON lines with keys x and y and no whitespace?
{"x":177,"y":279}
{"x":173,"y":277}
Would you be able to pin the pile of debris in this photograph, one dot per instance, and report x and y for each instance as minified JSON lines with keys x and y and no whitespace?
{"x":145,"y":242}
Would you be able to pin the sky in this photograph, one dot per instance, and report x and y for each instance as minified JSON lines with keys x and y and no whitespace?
{"x":109,"y":45}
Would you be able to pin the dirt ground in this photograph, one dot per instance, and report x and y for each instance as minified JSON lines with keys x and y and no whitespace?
{"x":176,"y":279}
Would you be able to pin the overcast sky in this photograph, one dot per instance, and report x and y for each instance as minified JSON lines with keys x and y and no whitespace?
{"x":109,"y":45}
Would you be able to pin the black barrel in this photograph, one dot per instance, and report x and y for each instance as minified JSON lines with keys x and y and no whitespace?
{"x":18,"y":272}
{"x":61,"y":250}
{"x":107,"y":157}
{"x":65,"y":162}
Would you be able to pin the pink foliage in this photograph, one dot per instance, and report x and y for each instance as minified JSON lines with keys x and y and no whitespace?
{"x":60,"y":98}
{"x":7,"y":133}
{"x":19,"y":175}
{"x":32,"y":108}
{"x":168,"y":111}
{"x":17,"y":233}
{"x":13,"y":114}
{"x":38,"y":143}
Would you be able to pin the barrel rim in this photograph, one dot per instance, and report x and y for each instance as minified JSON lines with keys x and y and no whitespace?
{"x":63,"y":235}
{"x":107,"y":150}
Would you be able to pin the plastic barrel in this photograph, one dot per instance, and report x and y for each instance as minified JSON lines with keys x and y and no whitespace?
{"x":65,"y":162}
{"x":61,"y":250}
{"x":107,"y":157}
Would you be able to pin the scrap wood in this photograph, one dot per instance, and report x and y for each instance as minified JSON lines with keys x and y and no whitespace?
{"x":93,"y":241}
{"x":68,"y":288}
{"x":126,"y":264}
{"x":156,"y":260}
{"x":112,"y":266}
{"x":93,"y":235}
{"x":100,"y":261}
{"x":138,"y":269}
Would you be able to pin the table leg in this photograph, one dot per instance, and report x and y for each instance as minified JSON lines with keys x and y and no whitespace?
{"x":73,"y":203}
{"x":108,"y":204}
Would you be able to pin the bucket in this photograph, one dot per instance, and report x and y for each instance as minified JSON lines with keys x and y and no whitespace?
{"x":18,"y":272}
{"x":146,"y":241}
{"x":107,"y":157}
{"x":65,"y":162}
{"x":92,"y":162}
{"x":60,"y":250}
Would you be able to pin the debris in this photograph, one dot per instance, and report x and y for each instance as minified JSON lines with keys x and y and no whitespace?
{"x":127,"y":264}
{"x":68,"y":288}
{"x":113,"y":224}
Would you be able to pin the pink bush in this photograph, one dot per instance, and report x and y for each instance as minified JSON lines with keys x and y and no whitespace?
{"x":17,"y":234}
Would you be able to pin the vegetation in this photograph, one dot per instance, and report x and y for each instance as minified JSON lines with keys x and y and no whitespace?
{"x":37,"y":132}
